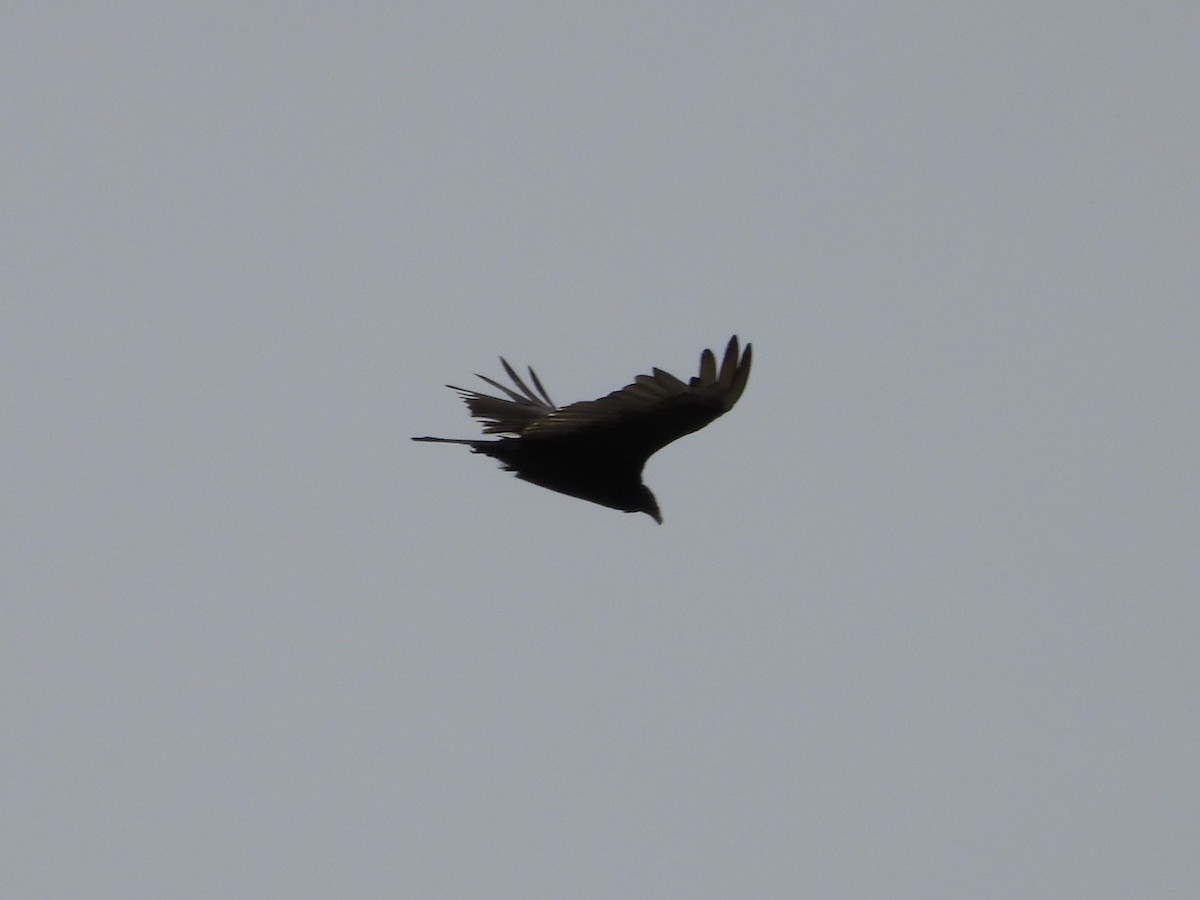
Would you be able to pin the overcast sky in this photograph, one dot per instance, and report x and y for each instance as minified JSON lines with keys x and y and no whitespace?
{"x":922,"y":619}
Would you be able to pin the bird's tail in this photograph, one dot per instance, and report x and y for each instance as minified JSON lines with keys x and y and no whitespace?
{"x":436,"y":440}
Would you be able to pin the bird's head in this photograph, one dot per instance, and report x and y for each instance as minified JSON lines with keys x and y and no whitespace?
{"x":647,"y":504}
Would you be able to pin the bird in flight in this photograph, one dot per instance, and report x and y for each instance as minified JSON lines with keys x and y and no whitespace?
{"x":596,"y":449}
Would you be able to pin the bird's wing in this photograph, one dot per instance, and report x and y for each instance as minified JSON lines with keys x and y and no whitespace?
{"x":514,"y":415}
{"x":655,"y":409}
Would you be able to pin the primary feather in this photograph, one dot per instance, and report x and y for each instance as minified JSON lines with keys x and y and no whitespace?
{"x":596,"y":449}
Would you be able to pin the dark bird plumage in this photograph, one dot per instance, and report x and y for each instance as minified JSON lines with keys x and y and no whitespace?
{"x":595,"y":449}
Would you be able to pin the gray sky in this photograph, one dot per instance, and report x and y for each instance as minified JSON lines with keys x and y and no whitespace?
{"x":922,"y":620}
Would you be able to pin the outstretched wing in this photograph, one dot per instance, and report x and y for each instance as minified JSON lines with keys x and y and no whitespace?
{"x":514,"y":415}
{"x":654,"y":410}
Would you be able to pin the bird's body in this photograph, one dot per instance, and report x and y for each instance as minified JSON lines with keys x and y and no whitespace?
{"x":596,"y":449}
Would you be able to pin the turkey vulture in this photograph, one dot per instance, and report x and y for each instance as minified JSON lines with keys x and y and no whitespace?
{"x":595,"y":449}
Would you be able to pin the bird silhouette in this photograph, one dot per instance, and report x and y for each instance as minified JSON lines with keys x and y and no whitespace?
{"x":596,"y":449}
